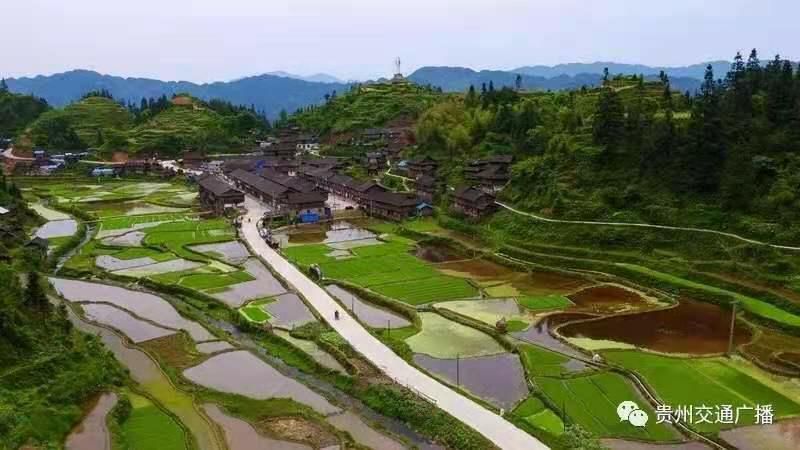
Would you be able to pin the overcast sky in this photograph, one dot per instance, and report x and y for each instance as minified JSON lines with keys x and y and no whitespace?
{"x":213,"y":40}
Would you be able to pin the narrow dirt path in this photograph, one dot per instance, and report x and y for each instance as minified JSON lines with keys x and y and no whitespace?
{"x":647,"y":225}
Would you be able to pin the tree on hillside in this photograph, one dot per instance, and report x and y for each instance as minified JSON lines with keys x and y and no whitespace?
{"x":35,"y":298}
{"x":609,"y":120}
{"x":701,"y":164}
{"x":54,"y":130}
{"x":3,"y":86}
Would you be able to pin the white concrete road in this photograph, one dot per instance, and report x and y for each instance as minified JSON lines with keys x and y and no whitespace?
{"x":494,"y":427}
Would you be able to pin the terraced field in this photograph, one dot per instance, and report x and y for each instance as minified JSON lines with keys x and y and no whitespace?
{"x":534,"y":412}
{"x":386,"y":268}
{"x":706,"y":381}
{"x":591,"y":401}
{"x":150,"y":428}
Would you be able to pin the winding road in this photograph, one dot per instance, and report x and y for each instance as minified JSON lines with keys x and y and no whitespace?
{"x":646,"y":225}
{"x":498,"y":430}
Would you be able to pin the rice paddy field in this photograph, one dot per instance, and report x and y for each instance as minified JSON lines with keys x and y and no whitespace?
{"x":386,"y":267}
{"x":534,"y":412}
{"x":705,"y":381}
{"x":443,"y":338}
{"x":150,"y":428}
{"x":591,"y":401}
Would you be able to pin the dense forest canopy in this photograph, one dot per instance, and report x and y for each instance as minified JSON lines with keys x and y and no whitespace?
{"x":16,"y":111}
{"x":639,"y":147}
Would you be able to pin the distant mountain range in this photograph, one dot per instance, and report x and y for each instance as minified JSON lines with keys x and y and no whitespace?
{"x":455,"y":79}
{"x":276,"y":91}
{"x":316,"y":78}
{"x":696,"y":71}
{"x":268,"y":93}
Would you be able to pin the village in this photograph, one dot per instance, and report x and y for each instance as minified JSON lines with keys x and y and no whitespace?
{"x":297,"y":185}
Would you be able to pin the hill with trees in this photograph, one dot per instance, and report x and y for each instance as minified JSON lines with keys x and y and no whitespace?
{"x":17,"y":111}
{"x":163,"y":125}
{"x":725,"y":158}
{"x":367,"y":105}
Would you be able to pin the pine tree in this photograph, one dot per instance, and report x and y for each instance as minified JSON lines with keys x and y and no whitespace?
{"x":3,"y":86}
{"x":609,"y":120}
{"x":471,"y":100}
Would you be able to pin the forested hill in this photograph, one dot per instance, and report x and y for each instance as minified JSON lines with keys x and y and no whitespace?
{"x":458,"y":79}
{"x":725,"y":158}
{"x":269,"y":94}
{"x":695,"y":71}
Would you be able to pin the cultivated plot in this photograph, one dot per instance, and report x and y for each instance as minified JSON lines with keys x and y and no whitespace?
{"x":253,"y":378}
{"x":445,"y":339}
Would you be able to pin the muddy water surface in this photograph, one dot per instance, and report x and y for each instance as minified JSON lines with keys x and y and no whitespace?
{"x":92,"y":433}
{"x":240,"y":435}
{"x":481,"y":269}
{"x":437,"y":253}
{"x":539,"y":333}
{"x":691,"y":327}
{"x":363,"y":433}
{"x":607,"y":299}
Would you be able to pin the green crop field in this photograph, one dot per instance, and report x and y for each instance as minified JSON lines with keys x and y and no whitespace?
{"x":710,"y":382}
{"x":541,"y":362}
{"x":543,"y":302}
{"x":591,"y":401}
{"x":750,"y":304}
{"x":203,"y":281}
{"x":143,"y":252}
{"x":150,"y":428}
{"x":176,"y":235}
{"x":388,"y":269}
{"x":533,"y":411}
{"x":255,"y":313}
{"x":123,"y":222}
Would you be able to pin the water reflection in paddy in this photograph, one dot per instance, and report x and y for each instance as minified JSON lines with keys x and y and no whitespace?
{"x":371,"y":315}
{"x":92,"y":433}
{"x":539,"y":333}
{"x":240,"y":435}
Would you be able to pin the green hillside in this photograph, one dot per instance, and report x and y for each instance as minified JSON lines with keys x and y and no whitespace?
{"x":181,"y":126}
{"x":17,"y":111}
{"x":367,"y":106}
{"x":92,"y":120}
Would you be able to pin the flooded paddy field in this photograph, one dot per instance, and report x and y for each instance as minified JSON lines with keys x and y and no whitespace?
{"x":92,"y":433}
{"x":158,"y":268}
{"x":539,"y":333}
{"x":264,"y":285}
{"x":782,"y":435}
{"x":240,"y":435}
{"x":288,"y":311}
{"x":497,"y":379}
{"x":774,"y":350}
{"x":368,"y":313}
{"x":233,"y":252}
{"x":478,"y":269}
{"x":609,"y":299}
{"x":488,"y":311}
{"x":363,"y":433}
{"x":144,"y":305}
{"x":692,"y":327}
{"x":137,"y":330}
{"x":539,"y":283}
{"x":338,"y":231}
{"x":151,"y":380}
{"x":57,"y":229}
{"x":442,"y":338}
{"x":213,"y":347}
{"x":241,"y":372}
{"x":437,"y":253}
{"x":130,"y":239}
{"x":312,"y":349}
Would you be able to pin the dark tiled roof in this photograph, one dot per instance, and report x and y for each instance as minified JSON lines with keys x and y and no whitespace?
{"x":364,"y":187}
{"x":259,"y":183}
{"x":469,"y":193}
{"x":394,"y":198}
{"x":494,"y":173}
{"x":425,"y":180}
{"x":306,"y":197}
{"x":427,"y":160}
{"x":215,"y":185}
{"x":292,"y":183}
{"x":343,"y":180}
